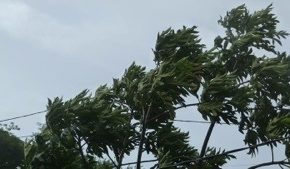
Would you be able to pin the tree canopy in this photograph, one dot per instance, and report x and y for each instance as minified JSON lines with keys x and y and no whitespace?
{"x":241,"y":80}
{"x":11,"y":153}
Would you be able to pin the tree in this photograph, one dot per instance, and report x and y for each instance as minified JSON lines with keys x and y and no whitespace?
{"x":11,"y":154}
{"x":46,"y":151}
{"x":232,"y":82}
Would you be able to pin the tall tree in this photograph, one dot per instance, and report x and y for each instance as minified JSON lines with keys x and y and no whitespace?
{"x":241,"y":80}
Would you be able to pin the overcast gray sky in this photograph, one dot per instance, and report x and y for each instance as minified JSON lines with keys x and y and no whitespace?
{"x":58,"y":48}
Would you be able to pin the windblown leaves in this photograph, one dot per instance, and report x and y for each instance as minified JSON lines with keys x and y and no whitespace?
{"x":171,"y":146}
{"x":230,"y":82}
{"x":173,"y":46}
{"x":97,"y":121}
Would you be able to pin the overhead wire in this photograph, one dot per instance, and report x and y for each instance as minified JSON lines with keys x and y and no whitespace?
{"x":196,"y":121}
{"x":212,"y":156}
{"x":43,"y":111}
{"x":226,"y":152}
{"x":177,"y":120}
{"x":22,"y":116}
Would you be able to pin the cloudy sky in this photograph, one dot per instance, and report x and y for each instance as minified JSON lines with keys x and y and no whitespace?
{"x":58,"y":48}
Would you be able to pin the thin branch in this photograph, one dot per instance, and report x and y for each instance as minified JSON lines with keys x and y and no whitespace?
{"x":280,"y":166}
{"x":282,"y":162}
{"x":113,"y":162}
{"x":176,"y":108}
{"x":121,"y":156}
{"x":145,"y":161}
{"x":120,"y":160}
{"x":211,"y":50}
{"x":272,"y":153}
{"x":187,"y":105}
{"x":80,"y":149}
{"x":155,"y":117}
{"x":244,"y":82}
{"x":83,"y":144}
{"x":125,"y":140}
{"x":143,"y":131}
{"x":206,"y":140}
{"x":286,"y":165}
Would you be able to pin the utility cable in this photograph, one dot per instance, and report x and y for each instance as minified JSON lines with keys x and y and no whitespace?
{"x":40,"y":112}
{"x":212,"y":156}
{"x":226,"y":152}
{"x":196,"y":121}
{"x":19,"y":117}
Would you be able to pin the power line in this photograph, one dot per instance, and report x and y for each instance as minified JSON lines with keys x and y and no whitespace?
{"x":212,"y":156}
{"x":192,"y":121}
{"x":207,"y":157}
{"x":43,"y":111}
{"x":196,"y":121}
{"x":227,"y":152}
{"x":177,"y":120}
{"x":40,"y":112}
{"x":19,"y":117}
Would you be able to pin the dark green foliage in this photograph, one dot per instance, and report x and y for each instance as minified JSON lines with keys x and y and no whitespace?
{"x":9,"y":127}
{"x":231,"y":83}
{"x":170,"y":146}
{"x":46,"y":152}
{"x":217,"y":161}
{"x":173,"y":46}
{"x":98,"y":121}
{"x":11,"y":150}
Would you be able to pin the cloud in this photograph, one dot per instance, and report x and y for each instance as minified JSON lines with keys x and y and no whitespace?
{"x":22,"y":22}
